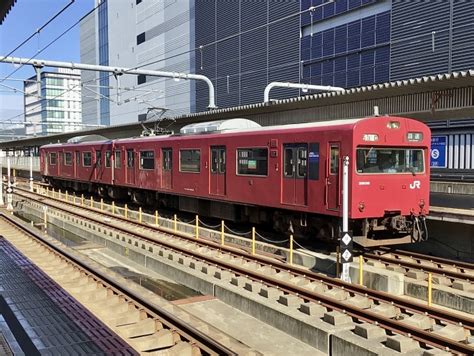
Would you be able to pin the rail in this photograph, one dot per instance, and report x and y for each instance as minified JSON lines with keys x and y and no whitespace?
{"x":205,"y":343}
{"x":423,"y":336}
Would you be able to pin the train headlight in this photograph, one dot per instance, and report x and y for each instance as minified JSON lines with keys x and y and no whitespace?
{"x":370,"y":137}
{"x":415,"y":136}
{"x":361,"y":206}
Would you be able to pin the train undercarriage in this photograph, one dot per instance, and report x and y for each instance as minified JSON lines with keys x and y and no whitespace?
{"x":391,"y":229}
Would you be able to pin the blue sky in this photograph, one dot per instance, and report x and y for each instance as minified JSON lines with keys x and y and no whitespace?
{"x":23,"y":20}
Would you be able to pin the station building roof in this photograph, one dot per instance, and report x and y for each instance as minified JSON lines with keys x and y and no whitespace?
{"x":435,"y":97}
{"x":5,"y":7}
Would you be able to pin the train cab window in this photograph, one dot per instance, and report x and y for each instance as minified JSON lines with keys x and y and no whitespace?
{"x":167,"y":159}
{"x":108,"y":155}
{"x":68,"y":158}
{"x":53,"y":158}
{"x":390,"y":160}
{"x":130,"y":159}
{"x":190,"y":161}
{"x":98,"y":158}
{"x":252,"y":161}
{"x":334,"y":156}
{"x":118,"y":159}
{"x":147,"y":160}
{"x":87,"y":159}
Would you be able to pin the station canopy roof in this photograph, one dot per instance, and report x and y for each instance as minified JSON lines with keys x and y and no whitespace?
{"x":353,"y":96}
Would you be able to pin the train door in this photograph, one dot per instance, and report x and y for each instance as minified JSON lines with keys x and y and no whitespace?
{"x":99,"y":165}
{"x":167,"y":168}
{"x":295,"y":181}
{"x":333,"y":189}
{"x":130,"y":169}
{"x":217,"y":184}
{"x":77,"y":163}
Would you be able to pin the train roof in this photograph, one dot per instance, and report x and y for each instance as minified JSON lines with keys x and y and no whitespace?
{"x":345,"y":124}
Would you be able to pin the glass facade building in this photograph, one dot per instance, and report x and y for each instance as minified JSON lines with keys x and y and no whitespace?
{"x":104,"y":103}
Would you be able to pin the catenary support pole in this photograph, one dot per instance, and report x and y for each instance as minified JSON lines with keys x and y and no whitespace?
{"x":2,"y":202}
{"x":31,"y":172}
{"x":9,"y":186}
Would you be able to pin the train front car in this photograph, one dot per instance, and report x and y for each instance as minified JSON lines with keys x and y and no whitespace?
{"x":390,"y":180}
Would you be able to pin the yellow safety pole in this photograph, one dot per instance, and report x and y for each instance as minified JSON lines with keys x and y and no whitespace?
{"x":82,"y":199}
{"x":175,"y":218}
{"x":430,"y":288}
{"x":74,"y":197}
{"x":67,"y":197}
{"x":222,"y":233}
{"x":47,"y":191}
{"x":253,"y":240}
{"x":197,"y":226}
{"x":140,"y":214}
{"x":59,"y":193}
{"x":126,"y":211}
{"x":361,"y":271}
{"x":113,"y":207}
{"x":92,"y":201}
{"x":291,"y":249}
{"x":156,"y":218}
{"x":52,"y":193}
{"x":338,"y":262}
{"x":101,"y":204}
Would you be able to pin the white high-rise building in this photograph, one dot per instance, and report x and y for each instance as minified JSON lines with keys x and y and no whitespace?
{"x":131,"y":34}
{"x":57,"y":108}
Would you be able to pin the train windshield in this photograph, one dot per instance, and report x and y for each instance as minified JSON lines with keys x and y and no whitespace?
{"x":375,"y":160}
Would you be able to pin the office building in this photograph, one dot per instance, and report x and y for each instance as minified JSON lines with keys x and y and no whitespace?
{"x":56,"y":107}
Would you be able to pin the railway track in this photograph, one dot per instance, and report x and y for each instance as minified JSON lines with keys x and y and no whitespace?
{"x":449,"y":272}
{"x":144,"y":326}
{"x":427,"y":325}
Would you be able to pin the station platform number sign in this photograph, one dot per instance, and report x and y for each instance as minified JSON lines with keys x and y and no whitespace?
{"x":438,"y":152}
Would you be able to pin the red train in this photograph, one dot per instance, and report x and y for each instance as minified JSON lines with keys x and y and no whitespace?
{"x":288,"y":175}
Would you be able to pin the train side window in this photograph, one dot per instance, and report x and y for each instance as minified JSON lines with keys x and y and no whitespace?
{"x":118,"y":159}
{"x":53,"y":158}
{"x":252,"y":161}
{"x":334,"y":155}
{"x":98,"y":158}
{"x":108,"y":155}
{"x":302,"y":162}
{"x":130,"y":159}
{"x":68,"y":158}
{"x":190,"y":161}
{"x":147,"y":160}
{"x":87,"y":159}
{"x":167,"y":159}
{"x":78,"y":158}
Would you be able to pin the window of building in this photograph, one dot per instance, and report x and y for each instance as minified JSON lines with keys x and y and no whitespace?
{"x":167,"y":159}
{"x":98,"y":158}
{"x":108,"y":154}
{"x":52,"y":158}
{"x":252,"y":161}
{"x":55,"y":81}
{"x":141,"y":79}
{"x":118,"y":159}
{"x":141,"y":38}
{"x":147,"y":160}
{"x":86,"y":159}
{"x":190,"y":161}
{"x":130,"y":159}
{"x":68,"y":158}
